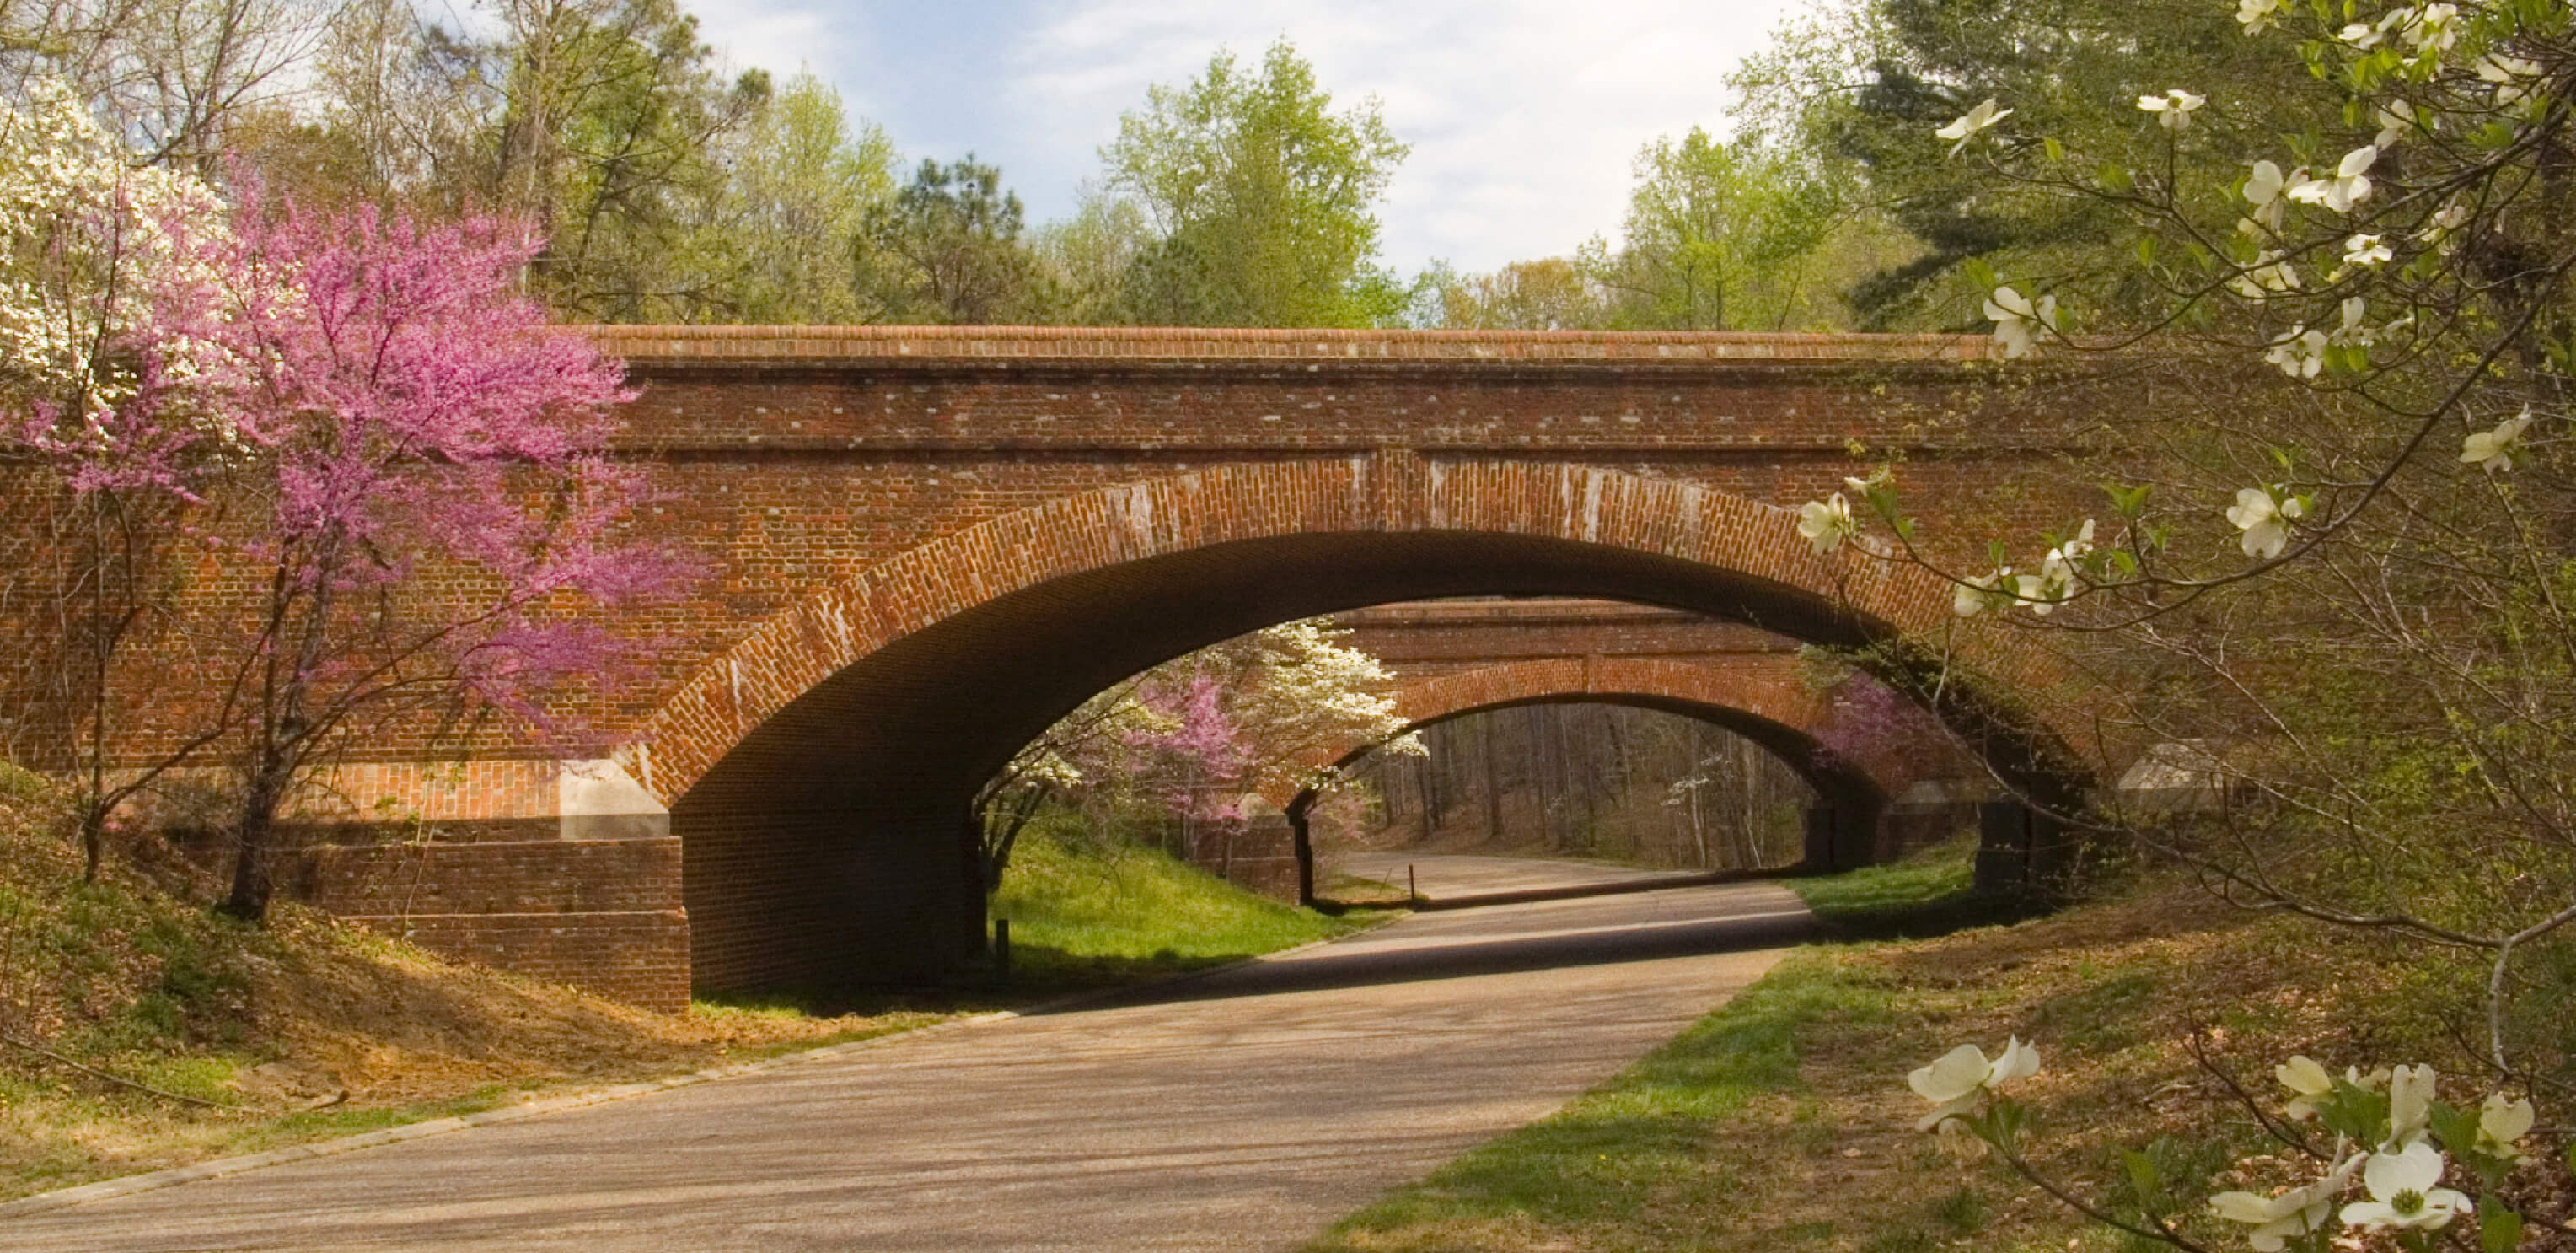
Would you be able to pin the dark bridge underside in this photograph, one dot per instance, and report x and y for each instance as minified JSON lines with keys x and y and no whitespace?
{"x":828,"y":848}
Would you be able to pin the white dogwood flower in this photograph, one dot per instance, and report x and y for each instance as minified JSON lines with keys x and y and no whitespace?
{"x":1971,"y":122}
{"x":2397,"y":120}
{"x":2265,"y":519}
{"x":1976,"y":593}
{"x":2410,"y":1105}
{"x":2299,"y":352}
{"x":2510,"y":75}
{"x":1827,"y":523}
{"x":2362,"y":35}
{"x":2308,"y":1082}
{"x":2263,"y":190}
{"x":2297,"y":1212}
{"x":2257,"y":16}
{"x":2405,"y":1192}
{"x":2039,"y":593}
{"x":2435,"y":26}
{"x":2268,"y":273}
{"x":2502,"y":1123}
{"x":2017,"y":319}
{"x":2349,"y":185}
{"x":2366,"y":250}
{"x":2352,"y":331}
{"x":1963,"y":1076}
{"x":2055,"y":583}
{"x":2494,"y":450}
{"x":2439,"y":228}
{"x":2172,"y":109}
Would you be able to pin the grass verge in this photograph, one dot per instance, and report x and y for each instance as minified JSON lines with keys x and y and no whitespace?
{"x":1086,"y":913}
{"x":1782,"y":1121}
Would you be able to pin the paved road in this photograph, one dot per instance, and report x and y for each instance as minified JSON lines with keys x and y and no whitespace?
{"x":1245,"y":1110}
{"x":1441,"y":876}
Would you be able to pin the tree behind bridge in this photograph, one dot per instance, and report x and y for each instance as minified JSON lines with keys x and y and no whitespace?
{"x":1262,"y":200}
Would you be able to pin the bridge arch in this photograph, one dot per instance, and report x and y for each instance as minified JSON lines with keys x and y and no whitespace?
{"x":1767,"y":698}
{"x":817,"y":770}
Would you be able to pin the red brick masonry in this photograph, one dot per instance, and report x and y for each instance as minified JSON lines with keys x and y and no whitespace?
{"x":928,"y":543}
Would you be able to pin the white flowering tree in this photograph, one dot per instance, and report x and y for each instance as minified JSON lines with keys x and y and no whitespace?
{"x":110,"y":290}
{"x":1191,"y":738}
{"x":2339,"y":551}
{"x":2371,"y":1157}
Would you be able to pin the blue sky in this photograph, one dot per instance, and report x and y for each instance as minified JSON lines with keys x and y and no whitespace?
{"x":1524,"y":115}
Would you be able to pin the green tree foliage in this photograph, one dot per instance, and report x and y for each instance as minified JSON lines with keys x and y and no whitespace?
{"x":1722,"y":236}
{"x":1083,"y":261}
{"x":1868,"y":82}
{"x":802,"y":191}
{"x":605,"y":122}
{"x":1740,"y":235}
{"x":1550,"y":294}
{"x":1262,"y":199}
{"x":946,"y":249}
{"x":610,"y":114}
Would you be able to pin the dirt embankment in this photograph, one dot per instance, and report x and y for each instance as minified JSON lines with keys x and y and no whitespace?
{"x":229,"y":1038}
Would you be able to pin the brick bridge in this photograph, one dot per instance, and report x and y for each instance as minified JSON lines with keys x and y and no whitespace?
{"x":1886,"y":775}
{"x":929,"y":544}
{"x":1459,"y":657}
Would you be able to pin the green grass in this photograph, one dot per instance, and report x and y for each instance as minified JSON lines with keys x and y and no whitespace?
{"x":1615,"y":1162}
{"x":1932,"y":892}
{"x":1086,"y":912}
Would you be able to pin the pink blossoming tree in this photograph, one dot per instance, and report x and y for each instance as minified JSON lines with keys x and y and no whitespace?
{"x":426,"y":493}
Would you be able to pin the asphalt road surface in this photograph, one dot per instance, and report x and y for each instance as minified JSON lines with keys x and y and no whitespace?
{"x":1444,"y":876}
{"x":1243,"y":1110}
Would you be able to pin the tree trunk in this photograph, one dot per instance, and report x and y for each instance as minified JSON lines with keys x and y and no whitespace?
{"x":248,"y":899}
{"x":1430,"y":800}
{"x":1493,"y":783}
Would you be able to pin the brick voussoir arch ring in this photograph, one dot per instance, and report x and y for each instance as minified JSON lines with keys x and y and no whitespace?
{"x":1771,"y":692}
{"x":790,"y":653}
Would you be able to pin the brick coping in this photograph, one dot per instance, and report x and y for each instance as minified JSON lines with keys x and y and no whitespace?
{"x":1104,"y":344}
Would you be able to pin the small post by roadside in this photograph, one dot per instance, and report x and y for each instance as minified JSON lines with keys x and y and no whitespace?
{"x":1002,"y":951}
{"x":1412,"y":895}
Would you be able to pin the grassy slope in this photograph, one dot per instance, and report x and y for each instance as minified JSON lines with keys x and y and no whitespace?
{"x":1782,"y":1122}
{"x":1086,"y":912}
{"x":297,"y":1031}
{"x":265,"y":1022}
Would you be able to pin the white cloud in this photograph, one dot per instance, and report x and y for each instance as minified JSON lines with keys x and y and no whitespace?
{"x":781,"y":36}
{"x":1524,"y":115}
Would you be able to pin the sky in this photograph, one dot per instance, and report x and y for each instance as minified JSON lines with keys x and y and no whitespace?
{"x":1525,"y":116}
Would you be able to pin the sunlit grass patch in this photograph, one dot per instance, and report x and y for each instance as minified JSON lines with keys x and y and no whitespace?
{"x":1612,"y":1164}
{"x":1931,"y":892}
{"x":1086,"y":911}
{"x":1783,"y":1121}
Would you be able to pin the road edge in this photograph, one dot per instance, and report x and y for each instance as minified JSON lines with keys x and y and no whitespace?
{"x":215,"y":1168}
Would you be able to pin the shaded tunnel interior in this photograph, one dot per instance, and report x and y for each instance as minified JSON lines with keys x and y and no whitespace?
{"x":829,"y":847}
{"x":1848,"y":793}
